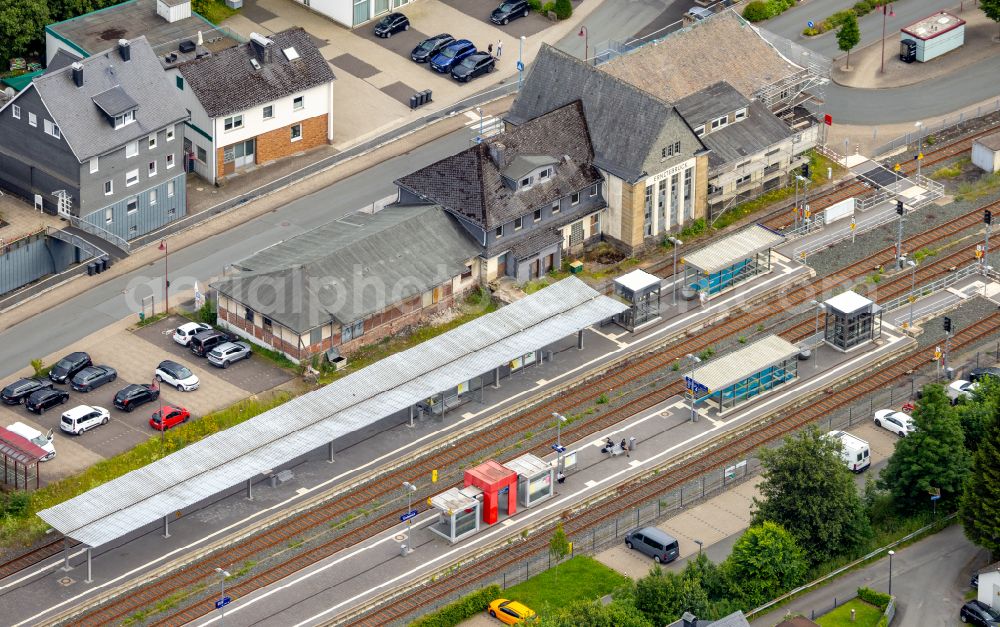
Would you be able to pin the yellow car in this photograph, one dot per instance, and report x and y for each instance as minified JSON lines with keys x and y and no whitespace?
{"x":511,"y":612}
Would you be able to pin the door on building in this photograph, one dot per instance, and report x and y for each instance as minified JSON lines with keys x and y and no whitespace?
{"x":534,"y":268}
{"x":501,"y":267}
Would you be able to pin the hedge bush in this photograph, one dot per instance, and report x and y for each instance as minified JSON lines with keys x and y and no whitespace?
{"x":860,"y":8}
{"x":462,"y":609}
{"x":563,"y":9}
{"x":536,"y":5}
{"x":756,"y":11}
{"x":876,"y":598}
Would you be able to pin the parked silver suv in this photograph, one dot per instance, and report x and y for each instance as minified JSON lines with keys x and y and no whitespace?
{"x":225,"y":354}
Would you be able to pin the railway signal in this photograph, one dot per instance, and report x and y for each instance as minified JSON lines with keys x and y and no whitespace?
{"x":947,"y":324}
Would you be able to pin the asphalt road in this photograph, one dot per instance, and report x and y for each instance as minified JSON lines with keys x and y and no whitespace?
{"x":110,"y":302}
{"x":617,"y":20}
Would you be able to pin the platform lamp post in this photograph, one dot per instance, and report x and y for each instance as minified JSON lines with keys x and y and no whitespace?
{"x":891,"y":553}
{"x":223,"y":573}
{"x":410,"y":489}
{"x":891,"y":14}
{"x":700,"y":544}
{"x":560,"y":419}
{"x":913,"y":286}
{"x":920,"y":145}
{"x":988,"y":219}
{"x":479,"y":110}
{"x":819,"y":307}
{"x":694,"y":360}
{"x":676,"y":244}
{"x":586,"y":42}
{"x":166,"y":277}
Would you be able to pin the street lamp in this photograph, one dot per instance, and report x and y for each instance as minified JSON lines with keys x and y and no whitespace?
{"x":913,"y":285}
{"x":920,"y":145}
{"x":559,"y":420}
{"x":410,"y":489}
{"x":891,"y":553}
{"x":677,"y":244}
{"x":891,"y":14}
{"x":222,"y":608}
{"x":479,"y":110}
{"x":586,"y":45}
{"x":166,"y":277}
{"x":699,"y":543}
{"x":819,"y":307}
{"x":520,"y":61}
{"x":694,"y":360}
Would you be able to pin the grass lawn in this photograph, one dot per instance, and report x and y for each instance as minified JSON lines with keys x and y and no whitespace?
{"x":215,"y":11}
{"x":581,"y":579}
{"x":867,"y":615}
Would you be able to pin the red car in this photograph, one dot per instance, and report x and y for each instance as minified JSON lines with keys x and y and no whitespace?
{"x":172,"y":416}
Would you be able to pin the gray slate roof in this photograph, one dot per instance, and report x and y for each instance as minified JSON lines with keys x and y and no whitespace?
{"x":471,"y":184}
{"x":624,"y":121}
{"x":85,"y":128}
{"x":739,"y":140}
{"x":351,"y":268}
{"x":114,"y":101}
{"x":226,"y":82}
{"x":61,"y":59}
{"x":712,"y":102}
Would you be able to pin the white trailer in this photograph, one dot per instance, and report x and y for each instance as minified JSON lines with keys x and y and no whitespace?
{"x":854,"y":451}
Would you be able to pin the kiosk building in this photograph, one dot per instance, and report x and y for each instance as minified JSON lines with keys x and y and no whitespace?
{"x":642,"y":291}
{"x":851,"y":320}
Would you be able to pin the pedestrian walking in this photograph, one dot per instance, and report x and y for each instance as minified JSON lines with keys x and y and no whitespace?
{"x":489,"y":49}
{"x":499,"y":48}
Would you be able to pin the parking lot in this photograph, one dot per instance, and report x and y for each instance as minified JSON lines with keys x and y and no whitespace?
{"x":135,"y":355}
{"x":520,"y":27}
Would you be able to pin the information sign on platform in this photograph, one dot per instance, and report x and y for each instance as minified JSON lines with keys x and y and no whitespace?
{"x":223,"y":602}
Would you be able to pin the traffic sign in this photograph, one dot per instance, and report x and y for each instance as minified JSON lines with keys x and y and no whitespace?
{"x":810,"y":24}
{"x":408,"y":515}
{"x":558,"y":448}
{"x":694,"y":386}
{"x":935,"y":497}
{"x":520,"y":66}
{"x":223,"y":602}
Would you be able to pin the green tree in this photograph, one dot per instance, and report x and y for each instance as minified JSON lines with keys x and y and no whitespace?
{"x":977,"y":413}
{"x":808,"y":490}
{"x":992,"y":10}
{"x":22,"y":24}
{"x":709,"y":575}
{"x":618,"y":613}
{"x":663,"y":597}
{"x":564,"y":9}
{"x":559,"y":546}
{"x":932,"y":457}
{"x":848,"y":36}
{"x":765,"y":563}
{"x":980,"y":504}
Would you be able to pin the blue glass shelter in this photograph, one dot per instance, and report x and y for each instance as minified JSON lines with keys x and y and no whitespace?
{"x":744,"y":374}
{"x":731,"y":260}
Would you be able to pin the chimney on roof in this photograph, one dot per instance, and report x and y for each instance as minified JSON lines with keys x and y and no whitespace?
{"x":124,"y":50}
{"x":498,"y":153}
{"x":262,"y":47}
{"x":78,"y":73}
{"x":689,"y":620}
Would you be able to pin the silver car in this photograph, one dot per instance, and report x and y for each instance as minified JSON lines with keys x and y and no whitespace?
{"x":227,"y":353}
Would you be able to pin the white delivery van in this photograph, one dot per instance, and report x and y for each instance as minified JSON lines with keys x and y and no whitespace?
{"x":36,"y":437}
{"x":855,"y":452}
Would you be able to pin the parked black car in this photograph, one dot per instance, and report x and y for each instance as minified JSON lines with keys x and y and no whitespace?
{"x":473,"y":66}
{"x":134,"y":395}
{"x":430,"y":47}
{"x":205,"y":341}
{"x":67,"y":367}
{"x":986,"y":371}
{"x":510,"y":10}
{"x":41,"y":400}
{"x":16,"y":392}
{"x":978,"y":613}
{"x":391,"y":24}
{"x":93,"y":377}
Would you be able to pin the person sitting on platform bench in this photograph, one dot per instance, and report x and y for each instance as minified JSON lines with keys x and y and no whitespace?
{"x":560,"y":477}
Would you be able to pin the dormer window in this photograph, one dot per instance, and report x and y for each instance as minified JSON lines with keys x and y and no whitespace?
{"x":526,"y":182}
{"x":124,"y":119}
{"x":544,"y":174}
{"x":518,"y":223}
{"x":718,"y":123}
{"x":699,"y":130}
{"x":741,"y":114}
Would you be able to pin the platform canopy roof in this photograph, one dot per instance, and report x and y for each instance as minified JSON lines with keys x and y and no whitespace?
{"x":746,"y":362}
{"x":733,"y":249}
{"x":305,"y":423}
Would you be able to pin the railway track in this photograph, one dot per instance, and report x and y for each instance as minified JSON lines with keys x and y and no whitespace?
{"x":534,"y":419}
{"x":642,"y":490}
{"x":31,"y":557}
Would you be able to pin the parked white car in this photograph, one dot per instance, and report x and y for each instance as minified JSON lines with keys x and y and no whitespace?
{"x":896,"y":421}
{"x":184,"y":333}
{"x":36,"y":437}
{"x":83,"y":418}
{"x":960,"y":389}
{"x":176,"y":375}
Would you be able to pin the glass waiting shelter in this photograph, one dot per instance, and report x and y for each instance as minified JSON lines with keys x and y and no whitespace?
{"x":729,"y":261}
{"x":535,"y":479}
{"x":641,"y":290}
{"x":757,"y":368}
{"x":458,"y":513}
{"x":851,"y":320}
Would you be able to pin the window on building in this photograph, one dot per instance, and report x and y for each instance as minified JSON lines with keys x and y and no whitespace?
{"x":713,"y":189}
{"x":152,"y":197}
{"x":593,"y":190}
{"x":467,"y":273}
{"x":298,"y":103}
{"x":526,"y":182}
{"x":94,"y":164}
{"x":170,"y":133}
{"x":109,"y":215}
{"x":15,"y":111}
{"x":742,"y":113}
{"x":499,"y":231}
{"x":555,"y":207}
{"x":180,"y":82}
{"x":268,"y":112}
{"x":232,"y":122}
{"x":109,"y":188}
{"x":677,"y":148}
{"x":743,"y":180}
{"x":131,"y":149}
{"x":124,"y":119}
{"x":32,"y":119}
{"x":296,"y":132}
{"x":666,"y":152}
{"x":544,"y":173}
{"x":699,"y":130}
{"x":595,"y":224}
{"x":170,"y":160}
{"x":352,"y":331}
{"x":131,"y":205}
{"x":152,"y":168}
{"x":248,"y":315}
{"x":267,"y":322}
{"x":315,"y":336}
{"x":518,"y":223}
{"x":131,"y":178}
{"x":152,"y":141}
{"x":574,"y":198}
{"x":718,"y":123}
{"x":538,"y":215}
{"x":170,"y":189}
{"x":202,"y":155}
{"x":52,"y":129}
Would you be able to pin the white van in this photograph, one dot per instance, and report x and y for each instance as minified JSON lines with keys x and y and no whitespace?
{"x":36,"y":437}
{"x":854,"y":451}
